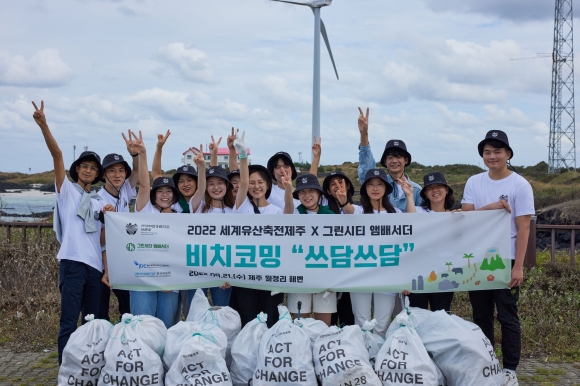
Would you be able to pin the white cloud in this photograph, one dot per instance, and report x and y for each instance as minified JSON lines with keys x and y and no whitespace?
{"x":44,"y":69}
{"x":173,"y":105}
{"x":188,"y":62}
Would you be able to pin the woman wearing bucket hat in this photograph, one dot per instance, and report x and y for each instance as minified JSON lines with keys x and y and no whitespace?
{"x":250,"y":302}
{"x":500,"y":188}
{"x":310,"y":194}
{"x":374,"y":200}
{"x":78,"y":232}
{"x":184,"y":179}
{"x":395,"y":158}
{"x":437,"y":198}
{"x":279,"y":164}
{"x":159,"y":200}
{"x":219,"y":199}
{"x":119,"y":189}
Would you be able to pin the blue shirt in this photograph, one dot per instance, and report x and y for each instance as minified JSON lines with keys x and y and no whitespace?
{"x":367,"y":161}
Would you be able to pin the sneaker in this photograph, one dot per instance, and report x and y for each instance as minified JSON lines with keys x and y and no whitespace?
{"x":510,"y":379}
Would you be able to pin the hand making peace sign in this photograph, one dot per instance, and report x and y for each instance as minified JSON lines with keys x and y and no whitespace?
{"x":286,"y":179}
{"x":341,"y":192}
{"x":198,"y":160}
{"x":316,"y":149}
{"x":162,"y":138}
{"x":363,"y":121}
{"x":39,"y":114}
{"x":231,"y":138}
{"x":213,"y":146}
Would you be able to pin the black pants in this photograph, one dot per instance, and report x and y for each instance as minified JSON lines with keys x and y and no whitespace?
{"x":343,"y":314}
{"x":123,"y":297}
{"x":506,"y":302}
{"x":250,"y":302}
{"x":434,"y":301}
{"x":80,"y":292}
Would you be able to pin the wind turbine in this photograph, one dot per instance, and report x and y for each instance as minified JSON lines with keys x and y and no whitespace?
{"x":319,"y":29}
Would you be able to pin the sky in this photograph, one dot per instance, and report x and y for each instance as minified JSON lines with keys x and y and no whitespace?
{"x":436,"y":74}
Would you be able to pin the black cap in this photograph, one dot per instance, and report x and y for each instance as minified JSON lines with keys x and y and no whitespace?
{"x":160,"y":182}
{"x":434,"y":178}
{"x":113,"y":159}
{"x":287,"y":160}
{"x":307,"y":181}
{"x":185,"y":169}
{"x":495,"y":135}
{"x":260,"y":168}
{"x":398,"y":145}
{"x":86,"y":156}
{"x":339,"y":175}
{"x":217,"y":171}
{"x":378,"y":173}
{"x":233,"y":173}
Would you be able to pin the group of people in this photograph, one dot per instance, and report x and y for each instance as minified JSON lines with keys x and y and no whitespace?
{"x":257,"y":189}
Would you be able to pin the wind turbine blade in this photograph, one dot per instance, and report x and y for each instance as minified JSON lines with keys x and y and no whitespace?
{"x":325,"y":37}
{"x":293,"y":2}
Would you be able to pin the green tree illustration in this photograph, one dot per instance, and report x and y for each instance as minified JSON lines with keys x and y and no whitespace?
{"x":468,"y":256}
{"x":449,"y":264}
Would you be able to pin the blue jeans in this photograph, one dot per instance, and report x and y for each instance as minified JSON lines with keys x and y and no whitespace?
{"x":80,"y":292}
{"x":219,"y":297}
{"x":162,"y":305}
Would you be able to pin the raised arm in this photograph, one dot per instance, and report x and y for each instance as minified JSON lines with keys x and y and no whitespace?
{"x":213,"y":151}
{"x":244,"y":172}
{"x":288,"y":190}
{"x":366,"y":160}
{"x":316,"y":153}
{"x":55,"y":152}
{"x":201,"y":181}
{"x":135,"y":156}
{"x":156,"y":166}
{"x":144,"y":182}
{"x":233,"y":157}
{"x":409,"y":193}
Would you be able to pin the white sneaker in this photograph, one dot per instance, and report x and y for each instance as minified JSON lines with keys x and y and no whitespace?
{"x":510,"y":379}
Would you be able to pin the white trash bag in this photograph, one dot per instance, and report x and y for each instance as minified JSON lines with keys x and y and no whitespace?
{"x":312,"y":327}
{"x":285,"y":355}
{"x":403,"y":360}
{"x":84,"y":354}
{"x":341,"y":358}
{"x":245,"y":350}
{"x":199,"y":362}
{"x":129,"y":360}
{"x":149,"y":329}
{"x":225,"y":318}
{"x":179,"y":334}
{"x":463,"y":353}
{"x":373,"y":342}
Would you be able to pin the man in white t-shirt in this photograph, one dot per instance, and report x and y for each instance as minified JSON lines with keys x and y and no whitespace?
{"x":118,"y":191}
{"x":78,"y":230}
{"x":500,"y":188}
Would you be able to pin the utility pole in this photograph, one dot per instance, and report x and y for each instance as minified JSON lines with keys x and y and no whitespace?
{"x":562,"y":147}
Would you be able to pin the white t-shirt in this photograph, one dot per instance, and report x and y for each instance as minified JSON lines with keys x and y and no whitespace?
{"x":77,"y":244}
{"x":481,"y":190}
{"x":420,"y":209}
{"x":149,"y":208}
{"x":307,"y":212}
{"x":125,"y":195}
{"x":212,"y":209}
{"x":177,"y":208}
{"x":277,"y":197}
{"x":359,"y":210}
{"x":248,"y":208}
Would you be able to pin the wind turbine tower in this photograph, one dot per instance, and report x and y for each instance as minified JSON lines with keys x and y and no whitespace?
{"x":319,"y":29}
{"x":562,"y":145}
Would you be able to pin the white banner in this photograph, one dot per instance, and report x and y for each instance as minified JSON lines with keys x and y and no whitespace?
{"x":428,"y":252}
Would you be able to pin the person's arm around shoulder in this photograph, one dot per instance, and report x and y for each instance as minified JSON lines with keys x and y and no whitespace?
{"x":233,"y":157}
{"x":144,"y":182}
{"x":365,"y":155}
{"x":55,"y":152}
{"x":316,"y":153}
{"x":288,"y":190}
{"x":201,"y":180}
{"x":244,"y":172}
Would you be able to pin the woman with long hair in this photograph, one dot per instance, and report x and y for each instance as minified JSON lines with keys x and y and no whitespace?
{"x":375,"y":200}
